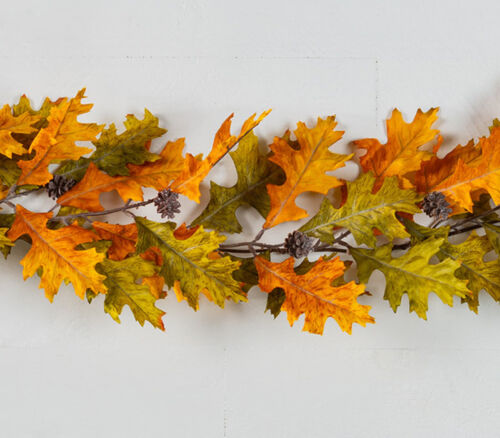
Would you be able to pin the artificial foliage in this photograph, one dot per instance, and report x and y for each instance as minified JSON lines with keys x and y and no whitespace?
{"x":427,"y":220}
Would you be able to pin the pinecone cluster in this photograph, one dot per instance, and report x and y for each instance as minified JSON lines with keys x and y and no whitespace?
{"x":436,"y":206}
{"x":167,"y":203}
{"x":59,"y":185}
{"x":298,"y":244}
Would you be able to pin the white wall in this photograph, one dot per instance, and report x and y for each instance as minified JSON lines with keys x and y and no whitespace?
{"x":67,"y":370}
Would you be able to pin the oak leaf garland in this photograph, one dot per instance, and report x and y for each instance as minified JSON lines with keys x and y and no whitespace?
{"x":134,"y":263}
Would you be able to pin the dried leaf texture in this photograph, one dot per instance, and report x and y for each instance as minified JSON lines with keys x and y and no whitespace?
{"x":54,"y":251}
{"x":305,"y":167}
{"x":313,"y":293}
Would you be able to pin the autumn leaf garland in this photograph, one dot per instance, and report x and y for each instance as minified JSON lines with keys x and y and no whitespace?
{"x":401,"y":216}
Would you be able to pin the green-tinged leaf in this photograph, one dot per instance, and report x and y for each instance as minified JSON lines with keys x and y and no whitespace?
{"x":246,"y":273}
{"x":114,"y":151}
{"x":124,"y":288}
{"x":363,"y":211}
{"x":412,"y":274}
{"x":480,"y":274}
{"x":275,"y":300}
{"x":6,"y":220}
{"x":254,"y":172}
{"x":493,"y":233}
{"x":470,"y":255}
{"x":9,"y":172}
{"x":5,"y":242}
{"x":190,"y":264}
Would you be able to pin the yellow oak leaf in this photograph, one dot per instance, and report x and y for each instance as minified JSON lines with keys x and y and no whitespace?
{"x":401,"y":154}
{"x":10,"y":124}
{"x":313,"y":294}
{"x":56,"y":142}
{"x":54,"y":251}
{"x":196,"y":169}
{"x":305,"y":165}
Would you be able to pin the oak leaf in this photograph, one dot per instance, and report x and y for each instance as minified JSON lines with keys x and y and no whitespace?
{"x":470,"y":254}
{"x":189,"y":262}
{"x":412,"y":274}
{"x":364,"y":210}
{"x":196,"y":169}
{"x":313,"y":294}
{"x":114,"y":151}
{"x":54,"y":251}
{"x":157,"y":174}
{"x":122,"y":281}
{"x":11,"y":124}
{"x":123,"y":238}
{"x":305,"y":165}
{"x":482,"y":174}
{"x":56,"y":142}
{"x":401,"y":154}
{"x":5,"y":242}
{"x":254,"y":172}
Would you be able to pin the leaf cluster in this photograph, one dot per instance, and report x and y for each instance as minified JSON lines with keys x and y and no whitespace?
{"x":375,"y":222}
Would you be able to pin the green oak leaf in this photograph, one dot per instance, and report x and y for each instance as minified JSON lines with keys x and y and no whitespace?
{"x":412,"y":274}
{"x":470,"y":255}
{"x":493,"y":233}
{"x":191,"y":262}
{"x":114,"y":151}
{"x":124,"y":288}
{"x":275,"y":300}
{"x":363,"y":211}
{"x":9,"y":172}
{"x":254,"y":171}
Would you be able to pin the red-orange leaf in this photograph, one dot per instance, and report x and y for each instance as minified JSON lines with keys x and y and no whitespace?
{"x":481,"y":173}
{"x":305,"y":167}
{"x":54,"y":251}
{"x":56,"y":142}
{"x":313,"y":293}
{"x":123,"y":238}
{"x":196,"y":169}
{"x":401,"y":154}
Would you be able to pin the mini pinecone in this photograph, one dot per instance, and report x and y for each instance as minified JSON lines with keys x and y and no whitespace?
{"x":298,"y":244}
{"x":59,"y":185}
{"x":167,"y":203}
{"x":436,"y":206}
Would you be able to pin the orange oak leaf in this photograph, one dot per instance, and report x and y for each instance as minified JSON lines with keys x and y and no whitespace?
{"x":305,"y":164}
{"x":313,"y":293}
{"x":157,"y":174}
{"x":123,"y":238}
{"x":85,"y":194}
{"x":10,"y":124}
{"x":480,"y":174}
{"x":196,"y":169}
{"x":56,"y":142}
{"x":401,"y":154}
{"x":54,"y":251}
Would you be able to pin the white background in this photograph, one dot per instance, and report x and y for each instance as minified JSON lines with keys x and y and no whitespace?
{"x":68,"y":370}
